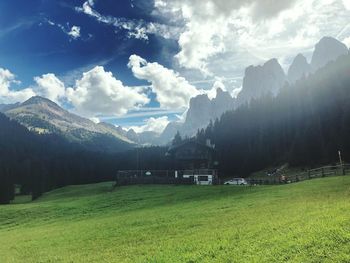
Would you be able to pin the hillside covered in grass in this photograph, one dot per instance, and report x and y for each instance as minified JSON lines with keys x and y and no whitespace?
{"x":303,"y":222}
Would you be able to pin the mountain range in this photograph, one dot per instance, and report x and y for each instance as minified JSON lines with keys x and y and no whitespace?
{"x":262,"y":80}
{"x":43,"y":116}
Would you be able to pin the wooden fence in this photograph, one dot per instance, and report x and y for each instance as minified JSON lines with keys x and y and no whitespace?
{"x":325,"y":171}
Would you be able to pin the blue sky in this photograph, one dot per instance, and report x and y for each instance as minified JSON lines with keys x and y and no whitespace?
{"x":35,"y":40}
{"x":138,"y":62}
{"x":31,"y":46}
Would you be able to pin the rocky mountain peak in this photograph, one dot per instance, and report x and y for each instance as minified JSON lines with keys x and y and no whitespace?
{"x":221,"y":94}
{"x":42,"y":115}
{"x":222,"y":103}
{"x":37,"y":100}
{"x":299,"y":68}
{"x":261,"y":80}
{"x":326,"y":50}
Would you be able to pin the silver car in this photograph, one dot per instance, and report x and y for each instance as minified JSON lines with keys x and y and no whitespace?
{"x":237,"y":181}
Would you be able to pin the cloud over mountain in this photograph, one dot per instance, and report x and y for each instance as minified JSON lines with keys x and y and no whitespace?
{"x":49,"y":86}
{"x":219,"y":38}
{"x":152,"y":124}
{"x":99,"y":92}
{"x":9,"y":95}
{"x":172,"y":91}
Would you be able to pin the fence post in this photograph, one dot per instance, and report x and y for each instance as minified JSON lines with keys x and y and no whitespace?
{"x":309,"y":174}
{"x":343,"y":169}
{"x":322,"y":172}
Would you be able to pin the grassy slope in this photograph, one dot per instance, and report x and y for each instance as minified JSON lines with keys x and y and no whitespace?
{"x":304,"y":222}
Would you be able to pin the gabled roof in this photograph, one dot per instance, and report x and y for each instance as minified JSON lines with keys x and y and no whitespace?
{"x":174,"y":148}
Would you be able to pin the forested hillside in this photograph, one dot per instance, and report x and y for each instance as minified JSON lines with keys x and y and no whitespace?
{"x":42,"y":162}
{"x":307,"y":123}
{"x":43,"y":116}
{"x":38,"y":163}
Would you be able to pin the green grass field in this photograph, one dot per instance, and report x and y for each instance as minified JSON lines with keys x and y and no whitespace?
{"x":304,"y":222}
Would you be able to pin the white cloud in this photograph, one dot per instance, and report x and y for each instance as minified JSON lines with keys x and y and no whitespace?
{"x":143,"y":112}
{"x":213,"y":91}
{"x":8,"y":95}
{"x":346,"y":4}
{"x":99,"y":93}
{"x":172,"y":91}
{"x":236,"y":91}
{"x":138,"y":29}
{"x":74,"y":32}
{"x":220,"y":37}
{"x":49,"y":86}
{"x":347,"y":41}
{"x":95,"y":120}
{"x":152,"y":124}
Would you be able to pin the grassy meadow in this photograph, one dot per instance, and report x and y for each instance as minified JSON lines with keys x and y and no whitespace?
{"x":303,"y":222}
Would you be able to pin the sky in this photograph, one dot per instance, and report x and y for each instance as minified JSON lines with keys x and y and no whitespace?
{"x":137,"y":63}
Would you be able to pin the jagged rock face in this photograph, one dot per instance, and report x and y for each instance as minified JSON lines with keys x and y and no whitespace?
{"x":258,"y":81}
{"x":326,"y":50}
{"x":262,"y":80}
{"x":202,"y":110}
{"x":222,"y":103}
{"x":121,"y":130}
{"x":198,"y":115}
{"x":299,"y":68}
{"x":169,"y":132}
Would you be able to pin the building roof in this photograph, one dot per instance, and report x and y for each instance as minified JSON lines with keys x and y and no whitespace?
{"x":174,"y":148}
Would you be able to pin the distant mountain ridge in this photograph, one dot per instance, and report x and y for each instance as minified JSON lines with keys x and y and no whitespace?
{"x":6,"y":107}
{"x":43,"y":116}
{"x":258,"y":81}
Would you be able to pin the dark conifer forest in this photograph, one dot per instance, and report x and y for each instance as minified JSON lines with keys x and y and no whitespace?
{"x":306,"y":124}
{"x":39,"y":163}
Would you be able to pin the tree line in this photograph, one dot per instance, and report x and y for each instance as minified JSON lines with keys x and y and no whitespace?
{"x":305,"y":125}
{"x":39,"y":163}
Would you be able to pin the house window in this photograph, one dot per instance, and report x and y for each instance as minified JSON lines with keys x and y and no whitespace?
{"x":203,"y":178}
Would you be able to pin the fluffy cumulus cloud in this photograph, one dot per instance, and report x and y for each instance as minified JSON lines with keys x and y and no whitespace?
{"x":221,"y":37}
{"x":172,"y":91}
{"x":152,"y":124}
{"x":9,"y":95}
{"x":99,"y":93}
{"x":49,"y":86}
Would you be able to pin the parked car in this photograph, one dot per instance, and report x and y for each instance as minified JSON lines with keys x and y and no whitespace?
{"x":237,"y":181}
